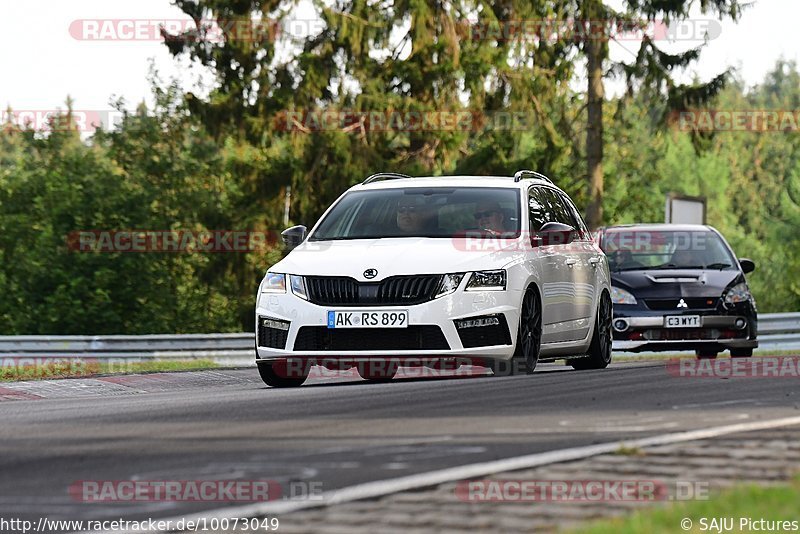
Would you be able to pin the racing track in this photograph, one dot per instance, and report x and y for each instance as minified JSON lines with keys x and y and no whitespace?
{"x":227,"y":424}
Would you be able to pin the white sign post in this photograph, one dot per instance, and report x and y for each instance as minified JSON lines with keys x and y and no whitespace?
{"x":685,"y":210}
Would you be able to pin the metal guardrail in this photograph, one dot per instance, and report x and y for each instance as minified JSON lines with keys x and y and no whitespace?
{"x":779,"y":331}
{"x":237,"y":349}
{"x":776,"y":331}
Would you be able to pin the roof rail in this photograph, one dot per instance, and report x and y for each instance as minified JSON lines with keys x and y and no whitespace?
{"x":384,"y":176}
{"x":519,"y":175}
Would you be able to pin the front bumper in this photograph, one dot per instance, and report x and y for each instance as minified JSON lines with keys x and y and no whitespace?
{"x":440,"y":314}
{"x":718,"y":331}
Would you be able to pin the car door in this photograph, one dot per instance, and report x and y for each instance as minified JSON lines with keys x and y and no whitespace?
{"x":572,"y":287}
{"x":584,"y":259}
{"x":550,"y":261}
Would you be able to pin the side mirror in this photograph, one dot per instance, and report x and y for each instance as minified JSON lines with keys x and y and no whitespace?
{"x":748,"y":265}
{"x":555,"y":233}
{"x":294,"y":236}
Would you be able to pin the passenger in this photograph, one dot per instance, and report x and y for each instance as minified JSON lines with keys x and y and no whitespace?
{"x":686,"y":258}
{"x":489,"y":216}
{"x":415,"y":217}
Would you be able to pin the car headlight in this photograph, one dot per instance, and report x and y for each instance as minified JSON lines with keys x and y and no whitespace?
{"x":620,"y":296}
{"x":487,"y":281}
{"x":738,"y":293}
{"x":450,"y":283}
{"x":298,"y":284}
{"x":274,"y":283}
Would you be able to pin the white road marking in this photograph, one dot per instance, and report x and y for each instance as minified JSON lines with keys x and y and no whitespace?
{"x":380,"y":488}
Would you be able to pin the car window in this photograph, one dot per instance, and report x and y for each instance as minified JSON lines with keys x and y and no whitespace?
{"x":558,"y":208}
{"x":575,"y":216}
{"x":421,"y":212}
{"x":545,"y":205}
{"x":633,"y":249}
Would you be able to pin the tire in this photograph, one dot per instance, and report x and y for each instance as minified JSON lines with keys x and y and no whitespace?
{"x":381,"y":371}
{"x":741,"y":353}
{"x":706,"y":354}
{"x":529,"y":339}
{"x":600,"y":348}
{"x":275,"y":375}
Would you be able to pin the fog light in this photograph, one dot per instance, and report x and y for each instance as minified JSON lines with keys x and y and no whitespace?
{"x":620,"y":325}
{"x":480,"y":321}
{"x":273,"y":323}
{"x":740,"y":323}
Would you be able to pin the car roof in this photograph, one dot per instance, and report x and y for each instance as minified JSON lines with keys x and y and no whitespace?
{"x":451,"y":181}
{"x":654,"y":227}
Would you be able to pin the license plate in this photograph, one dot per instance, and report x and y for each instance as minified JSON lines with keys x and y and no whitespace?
{"x":368,"y":319}
{"x":682,"y":321}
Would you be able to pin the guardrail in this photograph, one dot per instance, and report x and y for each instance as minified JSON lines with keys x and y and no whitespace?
{"x":234,"y":349}
{"x":776,"y":331}
{"x":779,"y":331}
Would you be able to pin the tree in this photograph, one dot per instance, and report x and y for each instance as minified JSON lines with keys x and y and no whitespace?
{"x":650,"y":74}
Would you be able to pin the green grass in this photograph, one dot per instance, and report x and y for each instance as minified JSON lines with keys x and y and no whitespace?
{"x":84,"y":368}
{"x":773,"y":503}
{"x":626,"y":450}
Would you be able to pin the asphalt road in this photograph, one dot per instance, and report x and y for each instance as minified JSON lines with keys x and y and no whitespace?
{"x":228,"y":425}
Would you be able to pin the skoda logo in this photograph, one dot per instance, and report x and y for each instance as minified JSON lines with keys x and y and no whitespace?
{"x":682,"y":304}
{"x":370,"y":273}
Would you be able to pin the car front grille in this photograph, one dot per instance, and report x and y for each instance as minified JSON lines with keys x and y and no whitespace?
{"x":693,"y":334}
{"x":393,"y":291}
{"x":416,"y":337}
{"x":692,"y":303}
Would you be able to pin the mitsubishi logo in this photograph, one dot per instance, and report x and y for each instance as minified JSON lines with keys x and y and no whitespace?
{"x":682,"y":304}
{"x":370,"y":273}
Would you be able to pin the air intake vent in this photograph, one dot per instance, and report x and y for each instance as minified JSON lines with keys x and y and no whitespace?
{"x":394,"y":291}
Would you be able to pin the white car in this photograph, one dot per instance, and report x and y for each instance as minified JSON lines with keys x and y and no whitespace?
{"x":432,"y":270}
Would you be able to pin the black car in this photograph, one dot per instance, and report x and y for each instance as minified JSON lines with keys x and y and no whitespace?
{"x":678,"y":287}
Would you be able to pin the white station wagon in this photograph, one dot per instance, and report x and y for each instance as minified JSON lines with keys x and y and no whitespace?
{"x":404,"y":271}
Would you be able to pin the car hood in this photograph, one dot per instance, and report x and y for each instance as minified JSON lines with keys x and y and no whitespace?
{"x":390,"y":257}
{"x":676,"y":282}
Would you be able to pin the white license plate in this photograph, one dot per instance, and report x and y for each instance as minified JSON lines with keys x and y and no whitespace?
{"x":682,"y":321}
{"x":368,"y":319}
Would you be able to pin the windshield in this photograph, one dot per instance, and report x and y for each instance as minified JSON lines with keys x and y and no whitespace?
{"x":631,"y":250}
{"x":440,"y":212}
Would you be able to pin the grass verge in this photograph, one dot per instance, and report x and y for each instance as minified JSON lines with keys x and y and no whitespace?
{"x":744,"y":502}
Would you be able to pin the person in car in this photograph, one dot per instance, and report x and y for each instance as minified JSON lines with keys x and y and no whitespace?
{"x":489,"y":216}
{"x":414,"y":217}
{"x":685,"y":257}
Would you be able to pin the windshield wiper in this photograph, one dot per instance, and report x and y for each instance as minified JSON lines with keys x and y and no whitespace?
{"x":718,"y":265}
